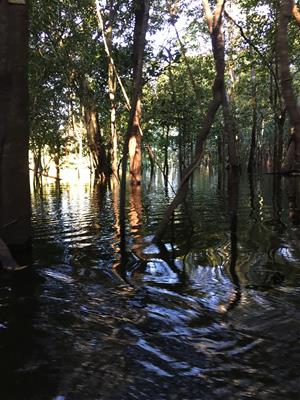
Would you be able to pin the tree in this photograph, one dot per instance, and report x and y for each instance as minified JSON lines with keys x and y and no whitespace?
{"x":142,"y":9}
{"x":287,"y":9}
{"x":14,"y":175}
{"x":214,"y":21}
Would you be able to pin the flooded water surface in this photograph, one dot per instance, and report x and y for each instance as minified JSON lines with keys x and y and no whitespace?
{"x":212,"y":313}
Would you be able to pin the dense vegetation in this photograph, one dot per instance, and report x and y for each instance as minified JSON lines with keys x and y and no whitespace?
{"x":118,"y":83}
{"x":81,"y":70}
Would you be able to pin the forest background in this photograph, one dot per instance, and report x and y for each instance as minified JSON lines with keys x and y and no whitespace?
{"x":99,"y":92}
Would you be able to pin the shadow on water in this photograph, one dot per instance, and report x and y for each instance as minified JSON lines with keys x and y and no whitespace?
{"x":211,"y":313}
{"x":233,"y":202}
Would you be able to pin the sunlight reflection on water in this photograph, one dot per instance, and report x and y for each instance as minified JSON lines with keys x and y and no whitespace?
{"x":186,"y":321}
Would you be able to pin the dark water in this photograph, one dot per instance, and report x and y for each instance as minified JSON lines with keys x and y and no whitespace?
{"x":211,"y":314}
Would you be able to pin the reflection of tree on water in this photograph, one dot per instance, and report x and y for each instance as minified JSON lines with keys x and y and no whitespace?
{"x":292,"y":190}
{"x":25,"y":365}
{"x":263,"y":271}
{"x":233,"y":201}
{"x":292,"y":185}
{"x":135,"y":222}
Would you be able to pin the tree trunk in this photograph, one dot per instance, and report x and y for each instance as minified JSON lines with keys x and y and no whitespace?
{"x":285,"y":15}
{"x":95,"y":143}
{"x":94,"y":138}
{"x":254,"y":124}
{"x":135,"y":140}
{"x":142,"y":8}
{"x":14,"y":132}
{"x":217,"y":39}
{"x":112,"y":81}
{"x":166,"y":164}
{"x":135,"y":148}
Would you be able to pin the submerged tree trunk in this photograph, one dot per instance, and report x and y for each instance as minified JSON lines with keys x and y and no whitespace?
{"x":142,"y":8}
{"x":166,"y":164}
{"x":14,"y":132}
{"x":293,"y":155}
{"x":135,"y":140}
{"x":94,"y":138}
{"x":217,"y":39}
{"x":135,"y":148}
{"x":37,"y":166}
{"x":95,"y":144}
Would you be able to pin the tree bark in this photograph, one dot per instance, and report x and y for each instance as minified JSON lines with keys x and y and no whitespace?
{"x":112,"y":86}
{"x":141,"y":24}
{"x":135,"y":140}
{"x":95,"y":144}
{"x":135,"y":148}
{"x":14,"y":131}
{"x":94,"y":138}
{"x":285,"y":14}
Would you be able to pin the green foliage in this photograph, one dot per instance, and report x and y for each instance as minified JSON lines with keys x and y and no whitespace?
{"x":66,"y":50}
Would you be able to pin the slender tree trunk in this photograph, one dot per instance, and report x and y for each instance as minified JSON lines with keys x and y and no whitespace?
{"x":152,"y":161}
{"x":112,"y":86}
{"x":14,"y":132}
{"x":135,"y":148}
{"x":57,"y":165}
{"x":285,"y":15}
{"x":254,"y":124}
{"x":135,"y":141}
{"x":38,"y":169}
{"x":178,"y":118}
{"x":166,"y":164}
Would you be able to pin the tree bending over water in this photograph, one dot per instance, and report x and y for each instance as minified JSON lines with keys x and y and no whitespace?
{"x":215,"y":22}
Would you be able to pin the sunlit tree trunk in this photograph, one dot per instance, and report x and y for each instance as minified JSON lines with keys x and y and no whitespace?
{"x":142,"y":8}
{"x":94,"y":137}
{"x":286,"y":11}
{"x":95,"y":143}
{"x":112,"y":85}
{"x":135,"y":148}
{"x":14,"y":132}
{"x":135,"y":141}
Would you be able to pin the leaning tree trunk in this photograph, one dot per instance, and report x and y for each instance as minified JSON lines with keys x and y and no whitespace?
{"x":217,"y":39}
{"x":287,"y":9}
{"x":14,"y":132}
